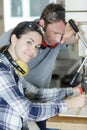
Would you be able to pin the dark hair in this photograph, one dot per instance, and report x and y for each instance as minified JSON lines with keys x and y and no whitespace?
{"x":52,"y":13}
{"x":26,"y":26}
{"x":23,"y":28}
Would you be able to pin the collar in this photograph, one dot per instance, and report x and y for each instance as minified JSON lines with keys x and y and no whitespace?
{"x":45,"y":45}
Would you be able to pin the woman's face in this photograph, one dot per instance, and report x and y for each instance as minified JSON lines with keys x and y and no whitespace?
{"x":26,"y":47}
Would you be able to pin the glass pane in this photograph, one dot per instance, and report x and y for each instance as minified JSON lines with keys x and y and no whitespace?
{"x":16,"y":8}
{"x":36,"y":7}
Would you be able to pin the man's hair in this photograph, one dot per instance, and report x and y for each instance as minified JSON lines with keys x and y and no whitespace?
{"x":53,"y":13}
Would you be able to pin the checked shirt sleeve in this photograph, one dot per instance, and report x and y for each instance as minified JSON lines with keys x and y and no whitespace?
{"x":10,"y":92}
{"x":47,"y":94}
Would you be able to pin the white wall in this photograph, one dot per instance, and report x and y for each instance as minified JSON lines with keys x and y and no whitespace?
{"x":78,"y":12}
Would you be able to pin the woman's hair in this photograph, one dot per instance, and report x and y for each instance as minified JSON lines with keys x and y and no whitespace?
{"x":53,"y":13}
{"x":24,"y":27}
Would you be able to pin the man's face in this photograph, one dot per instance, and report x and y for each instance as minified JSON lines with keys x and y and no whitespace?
{"x":54,"y":32}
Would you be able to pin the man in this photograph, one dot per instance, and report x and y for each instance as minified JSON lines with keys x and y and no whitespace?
{"x":57,"y":33}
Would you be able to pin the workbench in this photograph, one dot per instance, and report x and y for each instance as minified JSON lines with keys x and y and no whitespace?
{"x":67,"y":123}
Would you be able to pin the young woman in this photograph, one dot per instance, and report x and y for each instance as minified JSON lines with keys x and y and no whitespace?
{"x":16,"y":106}
{"x":24,"y":41}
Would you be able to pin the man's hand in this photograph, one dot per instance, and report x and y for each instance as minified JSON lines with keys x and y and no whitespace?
{"x":70,"y":36}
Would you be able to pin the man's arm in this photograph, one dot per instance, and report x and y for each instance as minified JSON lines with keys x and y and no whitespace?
{"x":4,"y":39}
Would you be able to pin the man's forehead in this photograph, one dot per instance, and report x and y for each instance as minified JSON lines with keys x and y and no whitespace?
{"x":57,"y":27}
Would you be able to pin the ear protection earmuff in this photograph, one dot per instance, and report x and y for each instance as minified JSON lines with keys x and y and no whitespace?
{"x":24,"y":67}
{"x":20,"y":66}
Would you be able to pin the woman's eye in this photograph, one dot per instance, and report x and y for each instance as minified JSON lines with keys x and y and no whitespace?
{"x":33,"y":44}
{"x":30,"y":43}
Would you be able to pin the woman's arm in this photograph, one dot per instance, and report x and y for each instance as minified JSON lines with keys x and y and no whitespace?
{"x":46,"y":94}
{"x":11,"y":93}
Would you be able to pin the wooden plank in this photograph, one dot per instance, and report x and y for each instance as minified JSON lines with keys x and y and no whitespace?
{"x":67,"y":123}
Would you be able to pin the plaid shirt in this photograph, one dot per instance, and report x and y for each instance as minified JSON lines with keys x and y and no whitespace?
{"x":16,"y":95}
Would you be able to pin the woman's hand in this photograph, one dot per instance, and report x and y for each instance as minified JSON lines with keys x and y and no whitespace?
{"x":76,"y":102}
{"x":77,"y":90}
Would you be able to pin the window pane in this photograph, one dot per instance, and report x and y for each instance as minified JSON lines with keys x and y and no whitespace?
{"x":16,"y":8}
{"x":36,"y":6}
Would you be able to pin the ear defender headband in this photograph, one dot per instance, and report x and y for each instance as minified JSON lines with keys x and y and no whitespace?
{"x":20,"y":66}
